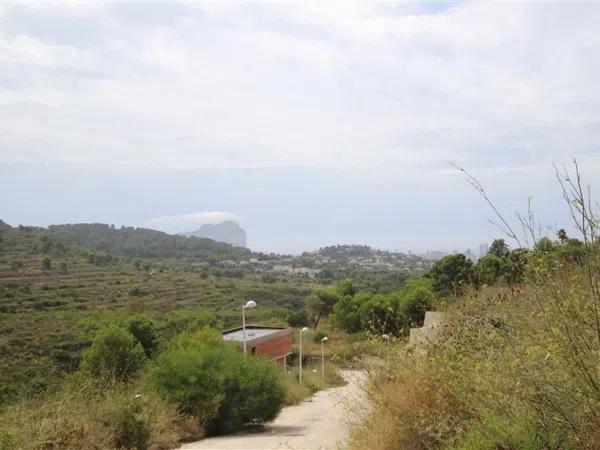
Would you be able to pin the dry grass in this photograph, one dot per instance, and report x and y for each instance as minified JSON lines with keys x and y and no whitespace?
{"x":312,"y":381}
{"x":515,"y":369}
{"x":83,"y":417}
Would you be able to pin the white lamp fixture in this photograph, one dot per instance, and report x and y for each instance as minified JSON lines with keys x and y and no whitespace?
{"x":303,"y":330}
{"x":249,"y":305}
{"x":323,"y":340}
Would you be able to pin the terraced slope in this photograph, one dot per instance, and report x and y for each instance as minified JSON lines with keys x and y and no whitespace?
{"x":53,"y":297}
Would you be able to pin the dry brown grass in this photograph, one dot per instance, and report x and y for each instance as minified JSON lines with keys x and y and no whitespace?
{"x":515,"y":369}
{"x":83,"y":417}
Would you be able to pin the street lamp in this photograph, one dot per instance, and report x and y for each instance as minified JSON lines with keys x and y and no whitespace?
{"x":387,"y":338}
{"x":249,"y":305}
{"x":303,"y":330}
{"x":325,"y":339}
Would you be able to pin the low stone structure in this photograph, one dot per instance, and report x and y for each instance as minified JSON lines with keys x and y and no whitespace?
{"x":421,"y":337}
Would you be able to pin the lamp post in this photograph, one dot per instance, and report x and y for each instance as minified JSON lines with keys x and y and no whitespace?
{"x":387,"y":338}
{"x":325,"y":339}
{"x":249,"y":305}
{"x":303,"y":330}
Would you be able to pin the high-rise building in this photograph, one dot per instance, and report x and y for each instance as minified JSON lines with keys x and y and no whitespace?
{"x":483,"y":250}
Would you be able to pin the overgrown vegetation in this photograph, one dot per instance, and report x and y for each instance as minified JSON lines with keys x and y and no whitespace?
{"x":517,"y":365}
{"x":214,"y":382}
{"x":48,"y":316}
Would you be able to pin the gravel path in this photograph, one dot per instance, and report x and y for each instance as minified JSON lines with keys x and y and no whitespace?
{"x":322,"y":422}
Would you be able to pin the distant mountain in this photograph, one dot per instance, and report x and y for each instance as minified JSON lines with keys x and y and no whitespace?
{"x":228,"y":232}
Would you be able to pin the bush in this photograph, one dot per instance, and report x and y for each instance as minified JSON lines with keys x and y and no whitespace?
{"x":451,"y":275}
{"x":6,"y":441}
{"x":46,"y":263}
{"x":82,"y":416}
{"x":221,"y":387}
{"x":317,"y":336}
{"x":114,"y":353}
{"x":391,"y":313}
{"x":144,"y":331}
{"x":252,"y":393}
{"x":131,"y":431}
{"x":297,"y":318}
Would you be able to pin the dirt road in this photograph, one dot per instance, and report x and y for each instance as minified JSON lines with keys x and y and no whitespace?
{"x":323,"y":422}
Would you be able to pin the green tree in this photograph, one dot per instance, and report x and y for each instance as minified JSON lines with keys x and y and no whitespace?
{"x":113,"y":354}
{"x":562,"y":236}
{"x":345,"y":287}
{"x":415,"y":299}
{"x":544,"y":245}
{"x":378,"y":313}
{"x":46,"y":263}
{"x":451,"y":274}
{"x":346,"y":313}
{"x":216,"y":383}
{"x":499,"y":248}
{"x":297,"y":318}
{"x":491,"y":268}
{"x":143,"y":329}
{"x":320,"y":303}
{"x":518,"y":264}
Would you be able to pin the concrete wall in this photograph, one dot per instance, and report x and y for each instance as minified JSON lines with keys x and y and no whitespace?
{"x":272,"y":348}
{"x":421,"y":337}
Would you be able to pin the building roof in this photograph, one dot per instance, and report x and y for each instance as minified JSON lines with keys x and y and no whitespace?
{"x":254,"y":332}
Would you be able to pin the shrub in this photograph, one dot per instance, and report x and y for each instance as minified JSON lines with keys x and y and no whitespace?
{"x":137,"y":292}
{"x":6,"y":441}
{"x":46,"y":263}
{"x":221,"y":387}
{"x":144,"y":331}
{"x":297,"y":318}
{"x":192,"y":379}
{"x":131,"y":431}
{"x":415,"y":299}
{"x":114,"y":353}
{"x":318,"y":335}
{"x":451,"y":274}
{"x":252,"y":393}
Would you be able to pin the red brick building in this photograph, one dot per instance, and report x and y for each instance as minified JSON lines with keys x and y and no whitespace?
{"x":274,"y":343}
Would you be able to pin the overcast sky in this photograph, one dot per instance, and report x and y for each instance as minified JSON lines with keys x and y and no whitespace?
{"x":309,"y":123}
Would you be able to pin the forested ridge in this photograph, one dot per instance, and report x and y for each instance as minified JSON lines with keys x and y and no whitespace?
{"x":134,"y":242}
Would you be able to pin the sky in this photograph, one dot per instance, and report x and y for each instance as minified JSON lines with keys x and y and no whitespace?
{"x":309,"y":123}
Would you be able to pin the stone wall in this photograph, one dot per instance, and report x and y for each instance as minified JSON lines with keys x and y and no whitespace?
{"x":421,"y":337}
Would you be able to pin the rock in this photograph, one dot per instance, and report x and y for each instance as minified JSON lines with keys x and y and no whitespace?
{"x":228,"y":232}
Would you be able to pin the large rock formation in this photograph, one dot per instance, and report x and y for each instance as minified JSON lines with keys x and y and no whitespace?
{"x":228,"y":232}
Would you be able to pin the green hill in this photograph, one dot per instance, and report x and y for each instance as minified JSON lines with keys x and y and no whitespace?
{"x":53,"y":297}
{"x":144,"y":243}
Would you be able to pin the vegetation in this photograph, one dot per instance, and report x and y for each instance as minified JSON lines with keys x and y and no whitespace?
{"x":114,"y":354}
{"x":380,"y":314}
{"x":132,"y":242}
{"x":48,"y":317}
{"x":216,"y":383}
{"x":517,"y":363}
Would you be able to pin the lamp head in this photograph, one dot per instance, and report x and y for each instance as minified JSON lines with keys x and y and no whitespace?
{"x":250,"y":304}
{"x":325,"y":339}
{"x":303,"y":330}
{"x":385,"y":336}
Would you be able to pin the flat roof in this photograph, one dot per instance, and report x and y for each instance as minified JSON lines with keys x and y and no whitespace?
{"x":252,"y":332}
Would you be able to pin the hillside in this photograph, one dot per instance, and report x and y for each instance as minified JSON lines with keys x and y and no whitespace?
{"x":54,"y":296}
{"x":133,"y":242}
{"x":377,"y":270}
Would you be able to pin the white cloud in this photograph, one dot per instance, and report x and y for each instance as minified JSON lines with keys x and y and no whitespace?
{"x":189,"y":222}
{"x":326,"y":84}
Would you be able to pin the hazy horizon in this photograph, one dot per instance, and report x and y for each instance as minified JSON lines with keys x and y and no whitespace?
{"x":311,"y":124}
